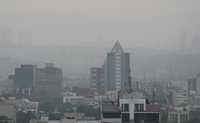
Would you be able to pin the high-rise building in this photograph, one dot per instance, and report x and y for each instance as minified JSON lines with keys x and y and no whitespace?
{"x":117,"y":69}
{"x":96,"y":78}
{"x":198,"y":84}
{"x":192,"y":86}
{"x":24,"y":80}
{"x":48,"y":81}
{"x":29,"y":80}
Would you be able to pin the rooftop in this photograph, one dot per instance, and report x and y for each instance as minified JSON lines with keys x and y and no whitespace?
{"x":110,"y":107}
{"x":133,"y":95}
{"x":153,"y":108}
{"x":117,"y":47}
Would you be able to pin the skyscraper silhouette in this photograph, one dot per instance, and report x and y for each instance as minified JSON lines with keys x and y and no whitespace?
{"x":117,"y":69}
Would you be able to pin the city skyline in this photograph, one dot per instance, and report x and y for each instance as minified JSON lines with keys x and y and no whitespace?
{"x":99,"y":61}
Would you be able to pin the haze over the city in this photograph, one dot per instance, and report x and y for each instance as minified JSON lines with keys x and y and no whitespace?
{"x":77,"y":34}
{"x":99,"y":61}
{"x":152,"y":23}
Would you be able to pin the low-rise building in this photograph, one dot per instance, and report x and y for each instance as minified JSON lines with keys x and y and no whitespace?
{"x":70,"y":97}
{"x":111,"y":95}
{"x":137,"y":110}
{"x":194,"y":100}
{"x":85,"y":92}
{"x":194,"y":115}
{"x":38,"y":121}
{"x":130,"y":106}
{"x":179,"y":97}
{"x":7,"y":111}
{"x":88,"y":121}
{"x":152,"y":114}
{"x":96,"y":79}
{"x":26,"y":105}
{"x":110,"y":113}
{"x":68,"y":121}
{"x":178,"y":115}
{"x":76,"y":116}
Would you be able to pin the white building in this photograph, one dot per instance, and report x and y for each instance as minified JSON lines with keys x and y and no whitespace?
{"x":27,"y":105}
{"x":178,"y":115}
{"x":134,"y":108}
{"x":179,"y":97}
{"x":70,"y":97}
{"x":131,"y":105}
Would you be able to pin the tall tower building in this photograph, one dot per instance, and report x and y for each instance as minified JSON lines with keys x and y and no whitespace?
{"x":24,"y":80}
{"x":117,"y":69}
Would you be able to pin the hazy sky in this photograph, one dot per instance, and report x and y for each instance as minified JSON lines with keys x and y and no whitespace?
{"x":137,"y":23}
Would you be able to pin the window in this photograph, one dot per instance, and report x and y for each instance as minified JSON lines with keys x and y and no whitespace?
{"x":125,"y":117}
{"x":118,"y":68}
{"x":139,"y":107}
{"x":125,"y":107}
{"x":111,"y":115}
